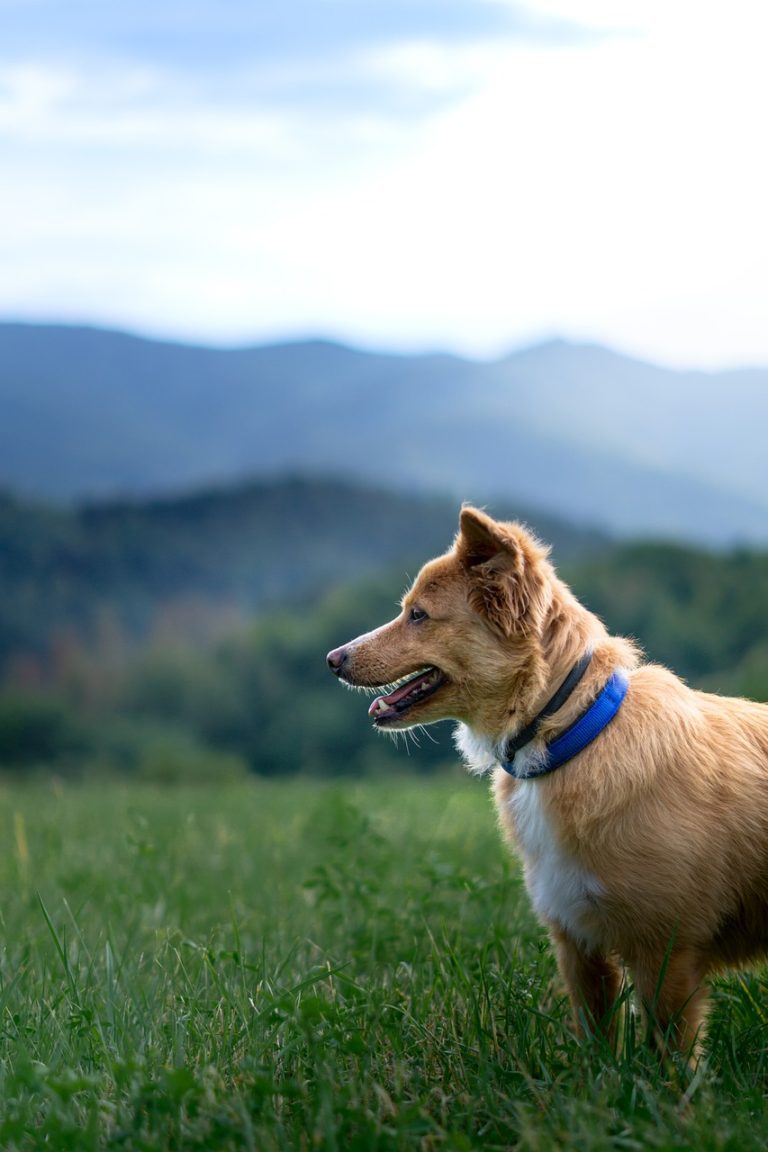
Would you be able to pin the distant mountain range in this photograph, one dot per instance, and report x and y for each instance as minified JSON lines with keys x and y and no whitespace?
{"x":572,"y":429}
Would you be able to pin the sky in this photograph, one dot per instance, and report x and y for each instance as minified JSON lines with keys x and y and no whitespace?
{"x":466,"y":175}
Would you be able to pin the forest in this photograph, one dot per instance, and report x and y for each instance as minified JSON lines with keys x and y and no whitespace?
{"x":185,"y":639}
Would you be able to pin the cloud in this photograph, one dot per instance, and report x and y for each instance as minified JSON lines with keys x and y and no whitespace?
{"x":426,"y":173}
{"x":316,"y":55}
{"x":304,"y":90}
{"x":205,"y":34}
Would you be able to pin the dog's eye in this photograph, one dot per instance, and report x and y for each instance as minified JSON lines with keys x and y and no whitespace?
{"x":416,"y":615}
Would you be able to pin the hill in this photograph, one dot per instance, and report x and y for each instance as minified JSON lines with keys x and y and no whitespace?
{"x":574,"y":430}
{"x":175,"y":637}
{"x":118,"y":573}
{"x":261,"y":697}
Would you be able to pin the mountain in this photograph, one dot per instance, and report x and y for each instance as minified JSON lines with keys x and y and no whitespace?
{"x":704,"y":424}
{"x":113,"y":575}
{"x":576,"y":430}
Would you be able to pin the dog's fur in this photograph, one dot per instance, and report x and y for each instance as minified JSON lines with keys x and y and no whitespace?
{"x":647,"y":850}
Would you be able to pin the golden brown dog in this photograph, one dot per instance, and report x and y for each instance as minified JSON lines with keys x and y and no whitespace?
{"x":648,"y":846}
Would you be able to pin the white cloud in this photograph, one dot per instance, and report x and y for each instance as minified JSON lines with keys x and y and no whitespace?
{"x":73,"y":107}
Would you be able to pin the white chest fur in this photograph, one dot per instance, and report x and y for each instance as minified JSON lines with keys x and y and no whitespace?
{"x":561,"y":889}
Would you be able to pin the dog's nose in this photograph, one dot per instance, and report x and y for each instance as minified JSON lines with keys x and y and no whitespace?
{"x":336,"y":660}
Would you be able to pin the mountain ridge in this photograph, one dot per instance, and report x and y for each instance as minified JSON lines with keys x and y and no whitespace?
{"x":576,"y":429}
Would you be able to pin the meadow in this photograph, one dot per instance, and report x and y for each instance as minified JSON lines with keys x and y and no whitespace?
{"x":315,"y":965}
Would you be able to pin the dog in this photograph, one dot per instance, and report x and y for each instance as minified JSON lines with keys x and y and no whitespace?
{"x":639,"y":806}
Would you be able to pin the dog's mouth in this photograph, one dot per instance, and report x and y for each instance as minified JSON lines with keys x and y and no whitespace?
{"x":406,"y":695}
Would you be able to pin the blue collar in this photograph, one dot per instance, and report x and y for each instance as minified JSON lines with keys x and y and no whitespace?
{"x":581,"y":733}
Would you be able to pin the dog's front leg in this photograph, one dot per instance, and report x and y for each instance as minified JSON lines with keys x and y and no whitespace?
{"x":593,"y":982}
{"x":674,"y":999}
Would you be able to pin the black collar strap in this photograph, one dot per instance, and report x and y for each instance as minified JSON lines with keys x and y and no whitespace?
{"x":515,"y":743}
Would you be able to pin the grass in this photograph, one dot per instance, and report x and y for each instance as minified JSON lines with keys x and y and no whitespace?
{"x":314,"y":966}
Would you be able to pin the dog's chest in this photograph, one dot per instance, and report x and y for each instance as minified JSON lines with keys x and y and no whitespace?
{"x":561,"y":889}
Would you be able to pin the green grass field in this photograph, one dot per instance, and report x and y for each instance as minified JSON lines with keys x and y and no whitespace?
{"x":304,"y":965}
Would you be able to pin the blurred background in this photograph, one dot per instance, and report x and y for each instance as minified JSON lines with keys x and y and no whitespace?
{"x":282,"y":284}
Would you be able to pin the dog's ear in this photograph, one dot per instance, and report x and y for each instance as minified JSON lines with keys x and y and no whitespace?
{"x":506,"y":568}
{"x":480,"y":538}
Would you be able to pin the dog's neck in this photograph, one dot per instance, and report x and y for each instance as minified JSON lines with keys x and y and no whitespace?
{"x":570,"y":631}
{"x":482,"y":752}
{"x":521,"y":753}
{"x":553,"y":705}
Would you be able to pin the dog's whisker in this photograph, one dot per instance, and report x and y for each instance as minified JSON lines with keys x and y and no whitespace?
{"x":410,"y":734}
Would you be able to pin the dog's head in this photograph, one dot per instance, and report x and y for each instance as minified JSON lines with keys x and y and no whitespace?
{"x":469,"y":626}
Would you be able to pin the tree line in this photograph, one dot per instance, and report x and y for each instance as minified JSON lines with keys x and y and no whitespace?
{"x":259,"y":699}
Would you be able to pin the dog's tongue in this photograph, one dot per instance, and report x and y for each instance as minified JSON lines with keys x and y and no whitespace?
{"x":384,"y":703}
